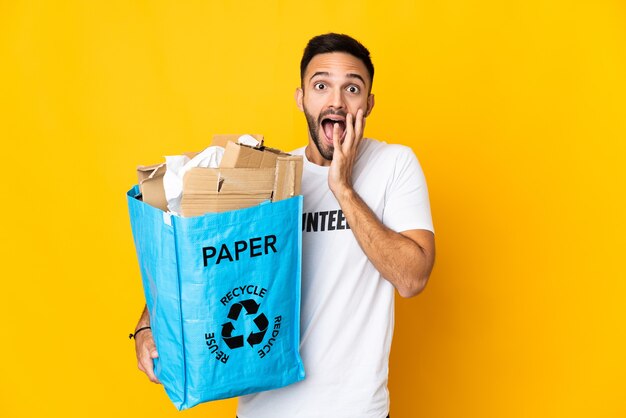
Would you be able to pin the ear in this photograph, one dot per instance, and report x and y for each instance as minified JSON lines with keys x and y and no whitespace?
{"x":299,"y":96}
{"x":370,"y":105}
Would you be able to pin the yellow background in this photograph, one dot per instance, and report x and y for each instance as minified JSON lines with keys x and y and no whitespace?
{"x":515,"y":109}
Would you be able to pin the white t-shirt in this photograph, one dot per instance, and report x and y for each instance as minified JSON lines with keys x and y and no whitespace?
{"x":347,"y":312}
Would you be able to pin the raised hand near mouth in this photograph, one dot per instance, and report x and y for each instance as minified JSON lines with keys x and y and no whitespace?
{"x":344,"y":154}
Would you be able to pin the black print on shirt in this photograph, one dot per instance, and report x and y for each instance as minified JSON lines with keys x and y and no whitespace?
{"x":329,"y":220}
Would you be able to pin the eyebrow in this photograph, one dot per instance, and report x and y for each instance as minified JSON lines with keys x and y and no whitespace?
{"x":353,"y":75}
{"x":349,"y":75}
{"x":324,"y":73}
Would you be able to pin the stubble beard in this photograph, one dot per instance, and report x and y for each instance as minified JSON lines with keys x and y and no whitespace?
{"x":326,"y":152}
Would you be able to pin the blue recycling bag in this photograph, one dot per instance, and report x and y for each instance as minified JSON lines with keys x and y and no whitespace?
{"x":223,"y":292}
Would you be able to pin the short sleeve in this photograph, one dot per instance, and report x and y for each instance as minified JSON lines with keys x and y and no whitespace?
{"x":406,"y":202}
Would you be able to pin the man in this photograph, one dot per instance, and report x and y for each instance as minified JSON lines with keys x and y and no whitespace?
{"x":367,"y":229}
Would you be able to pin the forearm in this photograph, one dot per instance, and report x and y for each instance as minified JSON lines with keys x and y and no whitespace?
{"x":404,"y":259}
{"x":144,"y":320}
{"x":400,"y":260}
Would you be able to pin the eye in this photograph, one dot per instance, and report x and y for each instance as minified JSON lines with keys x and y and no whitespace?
{"x":354,"y":89}
{"x":319,"y":86}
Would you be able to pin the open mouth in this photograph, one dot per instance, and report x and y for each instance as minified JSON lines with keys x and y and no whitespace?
{"x":328,"y":125}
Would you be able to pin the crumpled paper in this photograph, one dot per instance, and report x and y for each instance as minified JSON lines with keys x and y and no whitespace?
{"x":178,"y":165}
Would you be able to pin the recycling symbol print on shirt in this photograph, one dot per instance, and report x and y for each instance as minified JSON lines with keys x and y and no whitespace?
{"x":260,"y":321}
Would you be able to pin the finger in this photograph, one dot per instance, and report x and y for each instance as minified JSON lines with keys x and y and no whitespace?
{"x":336,"y":139}
{"x":152,"y":377}
{"x":349,"y":132}
{"x":358,"y":127}
{"x":148,"y":368}
{"x":151,"y":348}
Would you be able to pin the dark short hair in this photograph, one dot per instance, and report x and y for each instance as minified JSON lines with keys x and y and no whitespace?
{"x":336,"y":42}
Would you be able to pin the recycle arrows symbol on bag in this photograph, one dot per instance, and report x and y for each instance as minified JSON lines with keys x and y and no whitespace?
{"x":236,"y":341}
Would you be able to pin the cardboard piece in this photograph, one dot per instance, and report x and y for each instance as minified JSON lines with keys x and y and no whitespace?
{"x":151,"y":185}
{"x":247,"y":176}
{"x":288,"y":177}
{"x":221,"y":189}
{"x":243,"y":156}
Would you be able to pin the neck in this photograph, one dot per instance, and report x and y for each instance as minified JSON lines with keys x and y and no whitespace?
{"x":313,"y":155}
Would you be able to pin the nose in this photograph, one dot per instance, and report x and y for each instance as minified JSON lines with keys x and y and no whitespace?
{"x":337,"y":99}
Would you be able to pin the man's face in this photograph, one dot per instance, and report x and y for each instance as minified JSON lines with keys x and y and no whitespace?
{"x":334,"y":85}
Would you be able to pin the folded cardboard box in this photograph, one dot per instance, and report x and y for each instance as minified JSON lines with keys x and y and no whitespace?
{"x":246,"y":177}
